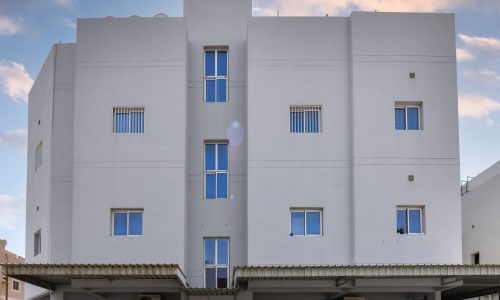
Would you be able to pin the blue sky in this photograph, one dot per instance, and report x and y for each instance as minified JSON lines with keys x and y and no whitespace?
{"x":28,"y":28}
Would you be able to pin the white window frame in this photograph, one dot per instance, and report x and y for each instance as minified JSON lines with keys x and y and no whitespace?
{"x":37,"y":242}
{"x":216,"y":171}
{"x":215,"y":77}
{"x":408,"y":209}
{"x":305,"y":211}
{"x":128,"y":211}
{"x":303,"y":109}
{"x":128,"y":110}
{"x":38,"y":158}
{"x":419,"y":110}
{"x":216,"y":265}
{"x":18,"y":285}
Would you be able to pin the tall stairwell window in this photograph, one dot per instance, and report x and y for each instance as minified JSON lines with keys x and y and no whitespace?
{"x":215,"y":77}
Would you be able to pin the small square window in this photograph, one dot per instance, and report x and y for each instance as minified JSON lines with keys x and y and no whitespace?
{"x":37,"y":242}
{"x":216,"y":258}
{"x":306,"y":222}
{"x":216,"y":74}
{"x":408,"y":116}
{"x":127,"y":222}
{"x":409,"y":220}
{"x":305,"y":119}
{"x":128,"y":119}
{"x":38,"y":155}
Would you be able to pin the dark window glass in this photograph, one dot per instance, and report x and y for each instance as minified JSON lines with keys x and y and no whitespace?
{"x":221,"y":90}
{"x":210,"y":252}
{"x":210,"y":63}
{"x":222,"y":251}
{"x":209,"y":156}
{"x":210,"y":90}
{"x":402,"y":222}
{"x":222,"y":185}
{"x":400,"y":117}
{"x":313,"y":219}
{"x":222,"y":157}
{"x":413,"y":118}
{"x":210,"y":186}
{"x":120,"y":223}
{"x":210,"y":278}
{"x":415,"y":226}
{"x":221,"y":278}
{"x":135,"y":223}
{"x":222,"y":63}
{"x":298,"y":222}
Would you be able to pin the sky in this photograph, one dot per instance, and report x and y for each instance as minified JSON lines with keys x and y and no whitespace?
{"x":28,"y":29}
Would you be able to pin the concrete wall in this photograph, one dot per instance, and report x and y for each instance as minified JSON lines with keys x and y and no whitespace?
{"x":385,"y":49}
{"x":298,"y":61}
{"x":216,"y":23}
{"x":130,"y":62}
{"x":480,"y":218}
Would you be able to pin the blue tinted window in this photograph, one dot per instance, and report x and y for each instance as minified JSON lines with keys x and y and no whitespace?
{"x":221,"y":90}
{"x":222,"y":63}
{"x":402,"y":222}
{"x":221,"y":278}
{"x":313,"y":220}
{"x":210,"y":252}
{"x":135,"y":223}
{"x":400,"y":118}
{"x":210,"y":90}
{"x":222,"y":252}
{"x":209,"y":156}
{"x":120,"y":223}
{"x":210,"y":186}
{"x":210,"y":278}
{"x":222,"y":185}
{"x":210,"y":63}
{"x":413,"y":118}
{"x":415,"y":226}
{"x":136,"y":122}
{"x":298,"y":222}
{"x":222,"y":157}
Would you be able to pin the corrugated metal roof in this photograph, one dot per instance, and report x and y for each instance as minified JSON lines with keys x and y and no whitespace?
{"x":48,"y":275}
{"x":244,"y":273}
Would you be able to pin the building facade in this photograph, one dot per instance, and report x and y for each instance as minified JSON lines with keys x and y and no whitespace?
{"x":219,"y":139}
{"x":10,"y":288}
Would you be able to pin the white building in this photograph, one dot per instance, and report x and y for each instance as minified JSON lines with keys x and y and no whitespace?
{"x":219,"y":141}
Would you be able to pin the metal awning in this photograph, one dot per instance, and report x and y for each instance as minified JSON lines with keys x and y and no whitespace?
{"x":48,"y":276}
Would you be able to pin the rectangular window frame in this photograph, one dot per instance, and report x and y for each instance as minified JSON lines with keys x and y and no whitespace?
{"x":305,"y":211}
{"x":303,"y":109}
{"x":421,"y":209}
{"x":138,"y":128}
{"x":206,"y":77}
{"x":37,"y":242}
{"x":38,"y":156}
{"x":217,"y":265}
{"x":128,"y":211}
{"x":406,"y":106}
{"x":16,"y":285}
{"x":216,"y":171}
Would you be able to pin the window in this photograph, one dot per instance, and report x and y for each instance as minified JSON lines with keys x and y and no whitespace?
{"x":127,"y":222}
{"x":409,"y":220}
{"x":38,"y":155}
{"x":128,"y":119}
{"x":408,"y":117}
{"x":216,"y":258}
{"x":215,"y":79}
{"x":37,"y":241}
{"x":305,"y":222}
{"x":475,"y":259}
{"x":305,"y":119}
{"x":216,"y":170}
{"x":15,"y":285}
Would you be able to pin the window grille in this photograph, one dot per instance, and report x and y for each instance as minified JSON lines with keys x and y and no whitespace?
{"x":128,"y":119}
{"x":305,"y":119}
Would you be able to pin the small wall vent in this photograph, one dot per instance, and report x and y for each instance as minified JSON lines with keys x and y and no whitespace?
{"x":412,"y":75}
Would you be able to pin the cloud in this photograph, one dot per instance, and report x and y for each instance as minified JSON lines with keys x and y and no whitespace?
{"x":487,"y":43}
{"x":490,"y":75}
{"x":321,"y":7}
{"x":464,"y":55}
{"x":476,"y":106}
{"x":69,"y":23}
{"x":12,"y":210}
{"x":9,"y":26}
{"x":490,"y":122}
{"x":64,"y":3}
{"x":15,"y":80}
{"x":16,"y":139}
